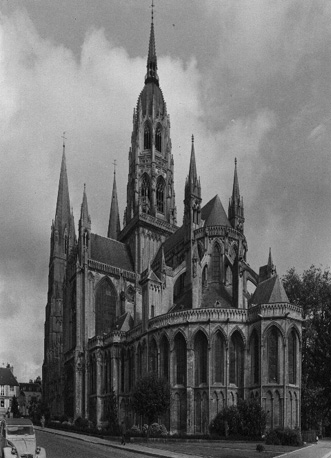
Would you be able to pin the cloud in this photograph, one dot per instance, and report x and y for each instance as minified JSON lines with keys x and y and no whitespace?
{"x":260,"y":93}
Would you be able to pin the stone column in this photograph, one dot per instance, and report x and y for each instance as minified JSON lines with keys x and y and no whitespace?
{"x":99,"y":406}
{"x":190,"y":425}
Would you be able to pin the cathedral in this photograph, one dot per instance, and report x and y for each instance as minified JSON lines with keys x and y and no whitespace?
{"x":155,"y":296}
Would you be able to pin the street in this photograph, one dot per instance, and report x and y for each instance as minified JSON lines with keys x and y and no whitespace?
{"x":67,"y":447}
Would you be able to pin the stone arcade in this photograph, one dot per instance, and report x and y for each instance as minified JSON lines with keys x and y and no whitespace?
{"x":160,"y":297}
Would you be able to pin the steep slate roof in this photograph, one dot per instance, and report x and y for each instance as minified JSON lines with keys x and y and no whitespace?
{"x":213,"y":213}
{"x":112,"y":252}
{"x":125,"y":322}
{"x":7,"y":377}
{"x":270,"y":291}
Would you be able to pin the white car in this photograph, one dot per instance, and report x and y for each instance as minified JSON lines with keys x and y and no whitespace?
{"x":18,"y":439}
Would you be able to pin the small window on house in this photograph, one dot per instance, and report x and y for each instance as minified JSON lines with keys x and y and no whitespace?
{"x":11,"y":388}
{"x":2,"y":390}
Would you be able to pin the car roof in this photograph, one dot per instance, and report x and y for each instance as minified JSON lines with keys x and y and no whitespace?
{"x":18,"y":421}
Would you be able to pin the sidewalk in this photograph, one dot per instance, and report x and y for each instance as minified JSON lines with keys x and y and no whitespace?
{"x":202,"y":449}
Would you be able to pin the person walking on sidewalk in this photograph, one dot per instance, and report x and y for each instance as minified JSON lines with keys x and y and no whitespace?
{"x":123,"y":432}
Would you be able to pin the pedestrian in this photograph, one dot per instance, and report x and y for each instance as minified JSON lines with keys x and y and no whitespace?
{"x":42,"y":421}
{"x":123,"y":432}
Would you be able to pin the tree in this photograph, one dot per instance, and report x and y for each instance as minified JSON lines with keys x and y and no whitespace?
{"x":312,"y":290}
{"x":14,"y":407}
{"x":247,"y":419}
{"x":111,"y":413}
{"x":151,"y":397}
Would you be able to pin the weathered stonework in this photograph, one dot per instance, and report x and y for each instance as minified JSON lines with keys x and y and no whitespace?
{"x":156,"y":297}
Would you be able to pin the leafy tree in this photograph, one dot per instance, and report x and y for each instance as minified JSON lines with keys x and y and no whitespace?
{"x":37,"y":408}
{"x":111,"y":413}
{"x":14,"y":407}
{"x":312,"y":290}
{"x":246,"y":419}
{"x":151,"y":397}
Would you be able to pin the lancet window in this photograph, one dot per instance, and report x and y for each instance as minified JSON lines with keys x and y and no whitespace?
{"x":160,"y":186}
{"x":273,"y":355}
{"x":147,"y":136}
{"x":236,"y":360}
{"x":201,"y":358}
{"x":105,"y":307}
{"x":292,"y":357}
{"x":158,"y":138}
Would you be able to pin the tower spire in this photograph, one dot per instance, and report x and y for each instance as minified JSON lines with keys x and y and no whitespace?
{"x":236,"y":205}
{"x":192,"y":198}
{"x":151,"y":75}
{"x":62,"y":213}
{"x":193,"y":176}
{"x":235,"y":191}
{"x":114,"y":226}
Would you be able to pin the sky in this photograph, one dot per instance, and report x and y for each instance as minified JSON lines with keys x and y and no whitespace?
{"x":249,"y":78}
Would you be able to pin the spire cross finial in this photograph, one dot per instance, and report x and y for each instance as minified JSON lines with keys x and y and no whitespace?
{"x":114,"y":164}
{"x":235,"y":161}
{"x":192,"y":138}
{"x":152,"y":6}
{"x":64,"y":137}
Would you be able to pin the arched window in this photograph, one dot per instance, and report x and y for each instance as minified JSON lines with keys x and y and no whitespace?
{"x":200,"y":358}
{"x":228,"y":276}
{"x":145,"y":193}
{"x":181,"y":360}
{"x":147,"y":136}
{"x":105,"y":307}
{"x":205,"y":277}
{"x":164,"y":357}
{"x":158,"y":138}
{"x":216,"y":263}
{"x":219,"y":360}
{"x":273,"y":356}
{"x":153,"y":366}
{"x":292,"y":358}
{"x":255,"y":358}
{"x":236,"y":359}
{"x":160,"y":186}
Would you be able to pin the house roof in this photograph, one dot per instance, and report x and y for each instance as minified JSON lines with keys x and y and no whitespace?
{"x":111,"y":252}
{"x":270,"y":291}
{"x":213,"y":213}
{"x":7,"y":377}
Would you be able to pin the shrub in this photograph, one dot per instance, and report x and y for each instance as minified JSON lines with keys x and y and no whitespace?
{"x":285,"y":436}
{"x":157,"y":430}
{"x":82,"y":423}
{"x":260,"y":448}
{"x":134,"y":431}
{"x":247,"y":419}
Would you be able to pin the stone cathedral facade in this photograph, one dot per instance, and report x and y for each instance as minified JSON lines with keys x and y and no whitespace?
{"x":160,"y":297}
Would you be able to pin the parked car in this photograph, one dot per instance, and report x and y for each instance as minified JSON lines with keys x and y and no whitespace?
{"x":18,"y":439}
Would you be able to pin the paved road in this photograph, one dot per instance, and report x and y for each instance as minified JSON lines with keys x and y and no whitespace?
{"x":61,"y":444}
{"x":66,"y":447}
